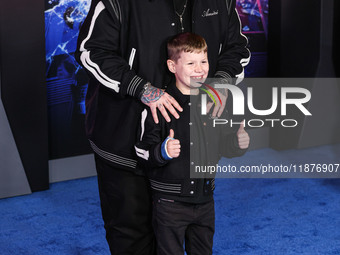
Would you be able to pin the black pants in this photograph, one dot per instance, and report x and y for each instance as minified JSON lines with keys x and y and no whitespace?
{"x":126,"y":209}
{"x":176,"y":223}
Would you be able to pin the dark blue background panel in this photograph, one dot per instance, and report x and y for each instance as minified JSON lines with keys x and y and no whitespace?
{"x":23,"y":89}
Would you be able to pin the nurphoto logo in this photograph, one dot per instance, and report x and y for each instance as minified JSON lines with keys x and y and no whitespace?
{"x":239,"y":104}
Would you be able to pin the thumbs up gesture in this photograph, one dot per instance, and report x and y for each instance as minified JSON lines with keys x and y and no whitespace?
{"x":243,"y":137}
{"x":173,"y":145}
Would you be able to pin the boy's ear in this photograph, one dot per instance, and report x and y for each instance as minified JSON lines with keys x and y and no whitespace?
{"x":171,"y":65}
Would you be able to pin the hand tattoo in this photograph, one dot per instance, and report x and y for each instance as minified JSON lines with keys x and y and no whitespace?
{"x":151,"y":94}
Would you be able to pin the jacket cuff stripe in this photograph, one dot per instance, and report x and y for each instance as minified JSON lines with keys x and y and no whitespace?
{"x":133,"y":85}
{"x":223,"y":74}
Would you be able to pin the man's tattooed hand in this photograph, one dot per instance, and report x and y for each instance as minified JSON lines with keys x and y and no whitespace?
{"x":156,"y":98}
{"x":151,"y":94}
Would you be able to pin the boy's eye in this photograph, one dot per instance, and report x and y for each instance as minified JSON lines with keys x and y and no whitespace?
{"x":190,"y":63}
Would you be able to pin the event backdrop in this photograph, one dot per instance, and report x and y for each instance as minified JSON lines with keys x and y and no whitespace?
{"x":67,"y":81}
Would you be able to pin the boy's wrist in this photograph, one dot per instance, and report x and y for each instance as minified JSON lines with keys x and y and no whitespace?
{"x":164,"y":150}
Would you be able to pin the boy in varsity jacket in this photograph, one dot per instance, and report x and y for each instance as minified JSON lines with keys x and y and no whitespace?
{"x":183,"y":207}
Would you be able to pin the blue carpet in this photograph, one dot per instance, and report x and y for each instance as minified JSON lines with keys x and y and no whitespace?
{"x":253,"y":216}
{"x":63,"y":220}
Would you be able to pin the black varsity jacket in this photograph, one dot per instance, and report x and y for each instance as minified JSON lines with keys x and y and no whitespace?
{"x":201,"y":145}
{"x":122,"y":45}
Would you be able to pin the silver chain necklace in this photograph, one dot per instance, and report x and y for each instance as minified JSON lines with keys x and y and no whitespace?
{"x":181,"y":15}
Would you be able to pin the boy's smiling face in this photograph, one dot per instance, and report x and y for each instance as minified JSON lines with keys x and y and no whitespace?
{"x":191,"y":69}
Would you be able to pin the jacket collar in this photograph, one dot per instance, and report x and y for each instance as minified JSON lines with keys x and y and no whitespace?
{"x":177,"y":94}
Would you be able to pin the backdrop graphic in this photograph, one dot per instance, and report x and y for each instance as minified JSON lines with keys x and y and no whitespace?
{"x":254,"y":19}
{"x":67,"y":81}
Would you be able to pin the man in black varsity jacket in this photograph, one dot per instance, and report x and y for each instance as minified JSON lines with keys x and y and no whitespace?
{"x":122,"y":45}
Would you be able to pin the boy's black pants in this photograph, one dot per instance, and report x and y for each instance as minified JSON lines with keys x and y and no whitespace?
{"x":178,"y":222}
{"x":126,"y":209}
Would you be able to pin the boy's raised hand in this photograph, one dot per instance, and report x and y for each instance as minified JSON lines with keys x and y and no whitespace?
{"x":173,"y":145}
{"x":243,"y":137}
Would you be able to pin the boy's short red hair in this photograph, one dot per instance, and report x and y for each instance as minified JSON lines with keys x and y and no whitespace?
{"x":185,"y":42}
